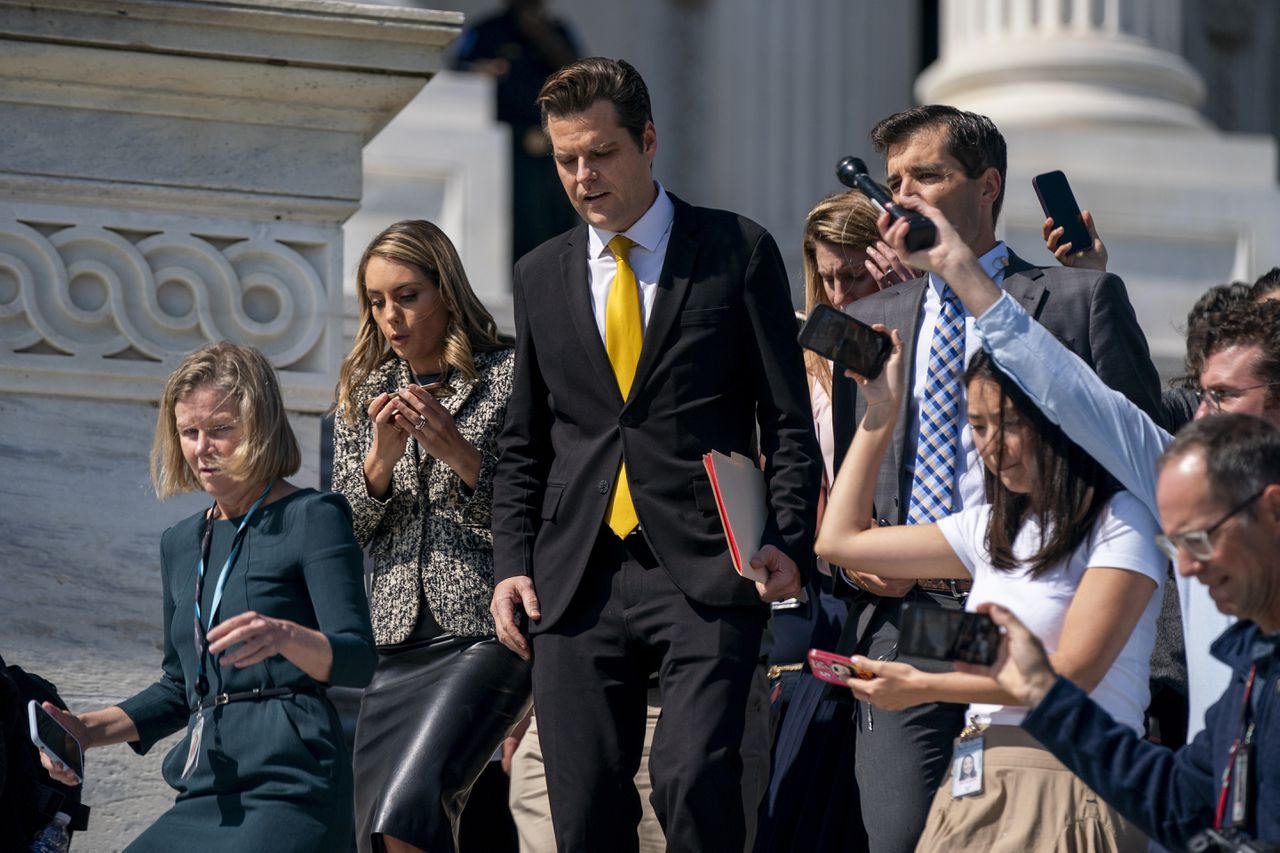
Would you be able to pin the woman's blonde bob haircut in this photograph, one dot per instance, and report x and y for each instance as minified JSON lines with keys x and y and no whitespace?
{"x":845,"y":219}
{"x":469,"y":329}
{"x":268,"y":450}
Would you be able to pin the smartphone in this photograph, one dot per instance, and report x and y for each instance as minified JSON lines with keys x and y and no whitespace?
{"x":54,"y":741}
{"x":833,"y":668}
{"x":928,"y":631}
{"x":1058,"y":202}
{"x":846,"y":341}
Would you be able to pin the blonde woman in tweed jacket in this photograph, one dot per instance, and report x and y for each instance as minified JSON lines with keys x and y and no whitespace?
{"x":421,"y":399}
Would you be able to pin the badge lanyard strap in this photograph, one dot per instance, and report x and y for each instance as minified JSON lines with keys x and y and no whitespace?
{"x":1235,"y":748}
{"x":236,"y":544}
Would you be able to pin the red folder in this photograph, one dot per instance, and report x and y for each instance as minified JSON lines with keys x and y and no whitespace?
{"x":739,"y":488}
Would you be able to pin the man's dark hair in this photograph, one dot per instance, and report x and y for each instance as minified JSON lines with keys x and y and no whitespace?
{"x":1069,"y":494}
{"x":1267,"y":284}
{"x":1241,"y":454}
{"x":576,"y":87}
{"x":1202,"y":319}
{"x":972,"y":139}
{"x":1242,"y":323}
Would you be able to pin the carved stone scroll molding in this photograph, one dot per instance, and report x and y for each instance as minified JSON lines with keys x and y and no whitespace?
{"x":107,"y":307}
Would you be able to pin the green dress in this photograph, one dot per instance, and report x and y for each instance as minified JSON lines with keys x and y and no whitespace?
{"x":272,"y":774}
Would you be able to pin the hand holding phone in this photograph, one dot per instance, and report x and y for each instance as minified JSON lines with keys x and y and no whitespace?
{"x":848,"y":342}
{"x":833,"y":668}
{"x":1059,"y":204}
{"x":928,"y":631}
{"x":51,"y":738}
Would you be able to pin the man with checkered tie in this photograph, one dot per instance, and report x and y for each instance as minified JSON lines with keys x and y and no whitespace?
{"x":954,"y":160}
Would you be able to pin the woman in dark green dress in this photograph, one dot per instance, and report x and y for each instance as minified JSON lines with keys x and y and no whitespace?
{"x":281,"y":613}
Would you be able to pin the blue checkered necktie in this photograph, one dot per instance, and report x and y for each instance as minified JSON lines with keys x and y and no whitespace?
{"x":935,"y":473}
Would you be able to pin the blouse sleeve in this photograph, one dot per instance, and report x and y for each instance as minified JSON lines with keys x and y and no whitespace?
{"x":477,"y":504}
{"x":1125,"y":539}
{"x":350,"y":447}
{"x":333,"y":568}
{"x":161,"y":709}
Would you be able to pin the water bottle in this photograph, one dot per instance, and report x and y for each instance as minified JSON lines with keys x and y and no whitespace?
{"x":54,"y":838}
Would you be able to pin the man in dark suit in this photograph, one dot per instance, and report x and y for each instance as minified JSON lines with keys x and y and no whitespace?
{"x":646,"y":337}
{"x":956,"y":161}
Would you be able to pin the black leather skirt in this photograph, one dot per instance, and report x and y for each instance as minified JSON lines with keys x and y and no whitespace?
{"x":429,"y":722}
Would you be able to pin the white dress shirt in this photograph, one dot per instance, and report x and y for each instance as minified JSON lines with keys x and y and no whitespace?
{"x":651,"y":233}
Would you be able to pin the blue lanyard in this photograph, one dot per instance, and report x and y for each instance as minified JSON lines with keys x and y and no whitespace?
{"x":202,"y":645}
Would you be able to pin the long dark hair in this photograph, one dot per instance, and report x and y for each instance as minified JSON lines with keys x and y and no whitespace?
{"x":1068,"y":492}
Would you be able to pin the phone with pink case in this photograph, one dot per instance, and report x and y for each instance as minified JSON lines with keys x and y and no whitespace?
{"x":833,"y":668}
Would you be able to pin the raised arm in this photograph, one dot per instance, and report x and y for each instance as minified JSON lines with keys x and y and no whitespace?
{"x":1119,"y":435}
{"x":847,"y":538}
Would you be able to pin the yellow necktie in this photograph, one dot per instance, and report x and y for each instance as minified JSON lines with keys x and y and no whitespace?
{"x":623,"y":338}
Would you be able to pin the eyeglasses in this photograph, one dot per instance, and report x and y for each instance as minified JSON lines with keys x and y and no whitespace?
{"x":1196,"y":542}
{"x":1217,"y":396}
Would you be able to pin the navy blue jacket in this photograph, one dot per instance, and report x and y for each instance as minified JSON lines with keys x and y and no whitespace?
{"x":1172,"y":796}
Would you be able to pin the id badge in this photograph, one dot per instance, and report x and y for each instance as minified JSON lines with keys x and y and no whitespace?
{"x":193,"y":753}
{"x":966,"y":767}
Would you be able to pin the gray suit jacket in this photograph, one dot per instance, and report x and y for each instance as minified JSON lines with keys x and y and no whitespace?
{"x":1087,"y":310}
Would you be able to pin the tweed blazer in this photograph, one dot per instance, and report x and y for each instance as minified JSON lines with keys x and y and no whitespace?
{"x":431,"y":533}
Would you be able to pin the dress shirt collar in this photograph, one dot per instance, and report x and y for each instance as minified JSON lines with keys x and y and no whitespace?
{"x":646,"y":232}
{"x":993,"y":263}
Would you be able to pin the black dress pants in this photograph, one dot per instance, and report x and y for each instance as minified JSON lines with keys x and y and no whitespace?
{"x":591,"y":670}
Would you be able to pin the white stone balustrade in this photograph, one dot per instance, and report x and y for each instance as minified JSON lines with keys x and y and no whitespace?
{"x":178,"y":172}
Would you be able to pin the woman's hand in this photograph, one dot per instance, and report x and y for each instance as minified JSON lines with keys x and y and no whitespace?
{"x":949,"y":256}
{"x":890,"y":385}
{"x":424,"y":418}
{"x":886,"y":267}
{"x":1093,"y":258}
{"x":261,"y":637}
{"x":389,"y":442}
{"x":893,"y":685}
{"x":58,"y":771}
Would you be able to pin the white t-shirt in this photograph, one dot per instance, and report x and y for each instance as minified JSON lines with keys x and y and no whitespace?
{"x":1121,"y":539}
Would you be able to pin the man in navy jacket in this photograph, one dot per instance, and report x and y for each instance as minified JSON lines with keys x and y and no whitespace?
{"x":1219,"y":500}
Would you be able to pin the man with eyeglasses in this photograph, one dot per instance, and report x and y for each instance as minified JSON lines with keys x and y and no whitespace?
{"x":1233,"y":353}
{"x":1219,"y":499}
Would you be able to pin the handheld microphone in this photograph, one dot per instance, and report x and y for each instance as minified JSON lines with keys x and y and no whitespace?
{"x":921,"y":233}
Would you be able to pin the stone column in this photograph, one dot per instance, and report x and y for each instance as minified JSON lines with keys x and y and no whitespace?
{"x":1066,"y":61}
{"x":1097,"y":89}
{"x":174,"y":173}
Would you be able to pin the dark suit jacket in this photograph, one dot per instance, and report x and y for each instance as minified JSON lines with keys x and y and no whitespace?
{"x":1087,"y":310}
{"x":719,"y":357}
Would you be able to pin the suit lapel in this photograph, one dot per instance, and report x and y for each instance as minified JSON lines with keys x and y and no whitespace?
{"x":673,"y":284}
{"x":904,"y":314}
{"x":577,"y":297}
{"x":1023,"y":282}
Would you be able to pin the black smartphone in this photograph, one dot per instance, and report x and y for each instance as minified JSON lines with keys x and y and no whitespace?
{"x":928,"y":631}
{"x":846,"y":341}
{"x":1059,"y":203}
{"x":51,"y":738}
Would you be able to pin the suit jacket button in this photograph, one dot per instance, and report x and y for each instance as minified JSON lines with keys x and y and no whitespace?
{"x":603,"y":486}
{"x":627,"y":421}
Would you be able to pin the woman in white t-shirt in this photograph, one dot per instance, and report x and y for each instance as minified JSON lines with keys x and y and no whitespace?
{"x":1057,"y":545}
